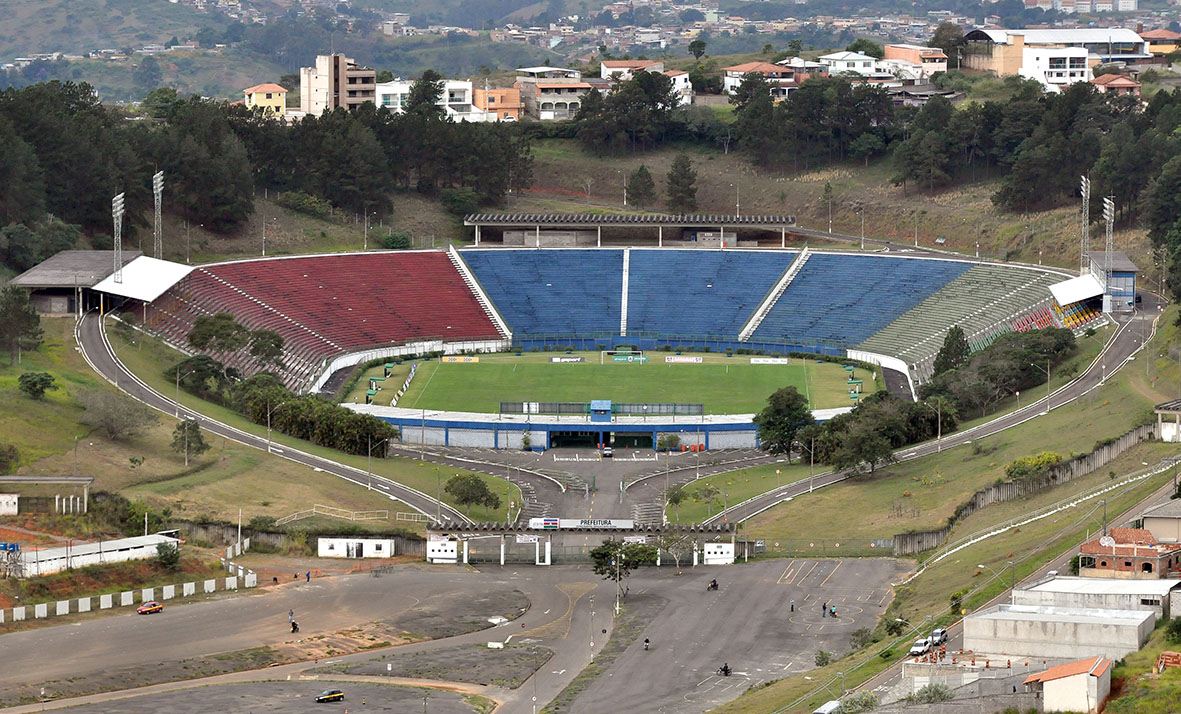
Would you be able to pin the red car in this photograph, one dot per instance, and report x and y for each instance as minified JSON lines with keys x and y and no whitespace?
{"x":149,"y":607}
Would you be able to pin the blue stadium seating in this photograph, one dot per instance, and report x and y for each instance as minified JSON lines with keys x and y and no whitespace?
{"x":698,"y":292}
{"x":843,"y":299}
{"x":557,"y":292}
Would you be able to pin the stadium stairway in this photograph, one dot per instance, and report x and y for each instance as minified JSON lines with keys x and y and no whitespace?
{"x":841,"y":300}
{"x":478,"y":291}
{"x":773,"y":297}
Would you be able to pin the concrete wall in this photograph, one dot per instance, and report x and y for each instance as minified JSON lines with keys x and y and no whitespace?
{"x":551,"y":238}
{"x":1032,"y":636}
{"x":1107,"y":601}
{"x":472,"y":437}
{"x":732,"y":439}
{"x":1167,"y":530}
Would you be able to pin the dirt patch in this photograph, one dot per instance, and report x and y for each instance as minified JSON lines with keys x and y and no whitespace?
{"x":134,"y":676}
{"x":450,"y":614}
{"x":477,"y":664}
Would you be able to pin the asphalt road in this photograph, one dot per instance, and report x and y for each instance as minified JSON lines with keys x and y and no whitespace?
{"x":748,"y":623}
{"x":1130,"y":335}
{"x":98,"y":353}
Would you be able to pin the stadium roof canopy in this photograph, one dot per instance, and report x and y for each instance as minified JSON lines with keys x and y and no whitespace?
{"x":73,"y":268}
{"x":145,"y":279}
{"x":593,"y":220}
{"x":1075,"y":289}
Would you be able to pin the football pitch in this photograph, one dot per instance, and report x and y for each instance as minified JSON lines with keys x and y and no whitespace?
{"x":725,"y":385}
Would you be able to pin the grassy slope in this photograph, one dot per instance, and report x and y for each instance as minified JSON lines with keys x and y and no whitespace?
{"x":32,"y":26}
{"x":215,"y":485}
{"x":962,"y":215}
{"x":148,"y":363}
{"x":724,"y":385}
{"x":1028,"y":546}
{"x":223,"y":75}
{"x":289,"y":232}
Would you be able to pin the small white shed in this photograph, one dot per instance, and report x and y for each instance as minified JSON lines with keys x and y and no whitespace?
{"x":1079,"y":686}
{"x":353,"y":547}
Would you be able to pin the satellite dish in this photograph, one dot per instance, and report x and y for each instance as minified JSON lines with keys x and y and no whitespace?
{"x":1107,"y":541}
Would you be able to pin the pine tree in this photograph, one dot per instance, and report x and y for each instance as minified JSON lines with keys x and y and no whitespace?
{"x":955,"y":351}
{"x":640,"y":187}
{"x":682,"y":185}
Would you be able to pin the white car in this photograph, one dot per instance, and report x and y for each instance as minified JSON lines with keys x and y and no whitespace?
{"x":920,"y":648}
{"x":938,"y":637}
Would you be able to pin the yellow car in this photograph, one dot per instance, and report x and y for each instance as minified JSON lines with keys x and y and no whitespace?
{"x":331,"y":695}
{"x":149,"y":607}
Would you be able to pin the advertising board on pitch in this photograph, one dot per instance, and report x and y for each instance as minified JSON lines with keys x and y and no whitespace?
{"x":564,"y":360}
{"x":682,"y":359}
{"x":770,"y":360}
{"x":629,"y":358}
{"x":460,"y":359}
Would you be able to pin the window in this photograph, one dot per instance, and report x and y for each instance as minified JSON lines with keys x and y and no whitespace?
{"x":1057,"y":63}
{"x":1149,"y":601}
{"x":1102,"y":563}
{"x":268,"y":95}
{"x":491,"y":99}
{"x":1127,"y":563}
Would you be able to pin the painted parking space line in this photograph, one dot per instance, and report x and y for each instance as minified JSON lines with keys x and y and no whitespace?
{"x":834,"y":570}
{"x":781,"y":577}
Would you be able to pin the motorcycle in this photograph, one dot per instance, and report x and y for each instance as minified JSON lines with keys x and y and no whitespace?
{"x":713,"y":585}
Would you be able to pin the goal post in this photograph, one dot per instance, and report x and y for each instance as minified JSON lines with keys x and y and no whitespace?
{"x":622,"y":355}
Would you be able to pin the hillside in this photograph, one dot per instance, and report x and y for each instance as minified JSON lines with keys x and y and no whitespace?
{"x":34,"y":26}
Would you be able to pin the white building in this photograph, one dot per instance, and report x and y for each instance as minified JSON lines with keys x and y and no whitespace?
{"x":839,"y":62}
{"x":1103,"y":593}
{"x":456,"y":99}
{"x":1056,"y":67}
{"x":334,"y":81}
{"x":47,"y":561}
{"x":1056,"y":632}
{"x":355,"y":547}
{"x":1079,"y":686}
{"x":623,"y":70}
{"x":682,"y":86}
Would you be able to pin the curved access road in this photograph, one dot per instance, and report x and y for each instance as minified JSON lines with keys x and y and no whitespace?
{"x":1130,"y":336}
{"x":97,"y":351}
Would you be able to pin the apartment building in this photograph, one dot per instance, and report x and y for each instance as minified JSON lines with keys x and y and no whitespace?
{"x":929,"y":59}
{"x":335,"y":81}
{"x":551,"y":92}
{"x":503,"y":104}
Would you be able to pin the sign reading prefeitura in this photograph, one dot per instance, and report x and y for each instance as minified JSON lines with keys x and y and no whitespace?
{"x":553,"y":524}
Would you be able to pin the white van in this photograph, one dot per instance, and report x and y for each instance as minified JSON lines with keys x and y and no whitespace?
{"x":828,"y":707}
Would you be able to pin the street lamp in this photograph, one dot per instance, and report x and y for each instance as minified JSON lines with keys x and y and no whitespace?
{"x":1047,"y":371}
{"x":939,"y":421}
{"x":176,"y":400}
{"x":369,"y":460}
{"x":862,"y":212}
{"x":1012,"y":576}
{"x":271,"y":410}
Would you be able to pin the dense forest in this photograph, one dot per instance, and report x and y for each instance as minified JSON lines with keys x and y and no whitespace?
{"x":1037,"y":144}
{"x":63,"y":156}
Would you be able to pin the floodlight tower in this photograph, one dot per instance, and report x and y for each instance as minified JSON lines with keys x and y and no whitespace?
{"x":157,"y":191}
{"x":1085,"y":243}
{"x":117,"y":218}
{"x":1109,"y":219}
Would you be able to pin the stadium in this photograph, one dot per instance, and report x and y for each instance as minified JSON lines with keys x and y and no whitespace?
{"x":691,"y":326}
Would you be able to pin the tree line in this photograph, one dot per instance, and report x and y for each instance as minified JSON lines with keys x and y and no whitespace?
{"x":64,"y":156}
{"x":880,"y":424}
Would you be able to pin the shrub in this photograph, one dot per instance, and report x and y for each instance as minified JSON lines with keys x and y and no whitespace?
{"x":305,"y":203}
{"x":460,"y":201}
{"x":859,"y":702}
{"x":1032,"y":468}
{"x":860,"y":638}
{"x":823,"y":658}
{"x":396,"y":240}
{"x":1173,"y":630}
{"x":931,"y":694}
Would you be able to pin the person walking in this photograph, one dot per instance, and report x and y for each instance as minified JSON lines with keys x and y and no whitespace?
{"x":309,"y":576}
{"x":824,"y":610}
{"x":793,"y":605}
{"x":291,"y":615}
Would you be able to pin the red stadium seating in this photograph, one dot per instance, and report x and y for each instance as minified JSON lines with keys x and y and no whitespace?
{"x":323,"y":305}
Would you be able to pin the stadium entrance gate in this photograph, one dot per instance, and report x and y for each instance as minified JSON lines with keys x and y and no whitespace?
{"x":574,"y":439}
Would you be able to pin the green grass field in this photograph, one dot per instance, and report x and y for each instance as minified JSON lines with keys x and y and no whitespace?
{"x":725,"y":385}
